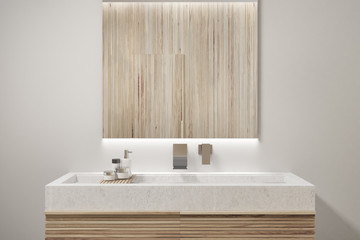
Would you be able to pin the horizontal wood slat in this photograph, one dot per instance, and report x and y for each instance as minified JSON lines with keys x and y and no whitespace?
{"x":85,"y":237}
{"x":175,"y":225}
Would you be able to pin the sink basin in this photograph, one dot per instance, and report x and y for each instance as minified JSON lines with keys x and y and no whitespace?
{"x":208,"y":178}
{"x":185,"y":178}
{"x":242,"y":192}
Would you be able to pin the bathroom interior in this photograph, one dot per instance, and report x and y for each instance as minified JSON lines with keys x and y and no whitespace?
{"x":179,"y":120}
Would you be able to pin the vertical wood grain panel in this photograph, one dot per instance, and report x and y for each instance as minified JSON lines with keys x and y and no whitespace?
{"x":180,"y":70}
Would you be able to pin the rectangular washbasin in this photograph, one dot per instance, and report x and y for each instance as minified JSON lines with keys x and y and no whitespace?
{"x":208,"y":178}
{"x":182,"y":192}
{"x":189,"y":178}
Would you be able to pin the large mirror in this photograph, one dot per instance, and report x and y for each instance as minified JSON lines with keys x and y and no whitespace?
{"x":180,"y":70}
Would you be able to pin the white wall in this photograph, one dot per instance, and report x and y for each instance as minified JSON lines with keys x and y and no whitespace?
{"x":50,"y":106}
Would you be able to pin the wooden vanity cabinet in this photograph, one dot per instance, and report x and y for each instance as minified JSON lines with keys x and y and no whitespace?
{"x":179,"y":225}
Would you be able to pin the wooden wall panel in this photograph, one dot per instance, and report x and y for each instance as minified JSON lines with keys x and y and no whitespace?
{"x":176,"y":225}
{"x":174,"y":70}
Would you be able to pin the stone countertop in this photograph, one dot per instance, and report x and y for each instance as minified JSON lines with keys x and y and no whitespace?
{"x":206,"y":192}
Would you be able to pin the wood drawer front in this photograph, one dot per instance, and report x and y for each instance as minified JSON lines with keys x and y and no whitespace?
{"x":174,"y":225}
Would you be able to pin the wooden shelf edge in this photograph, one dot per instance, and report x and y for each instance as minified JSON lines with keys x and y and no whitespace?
{"x":181,"y":212}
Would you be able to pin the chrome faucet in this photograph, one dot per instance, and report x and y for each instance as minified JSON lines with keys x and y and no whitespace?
{"x":180,"y":156}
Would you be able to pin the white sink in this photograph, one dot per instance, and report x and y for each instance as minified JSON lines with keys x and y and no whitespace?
{"x":184,"y":178}
{"x":208,"y":178}
{"x":182,"y":192}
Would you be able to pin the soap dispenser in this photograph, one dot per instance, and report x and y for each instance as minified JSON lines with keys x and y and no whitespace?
{"x":125,"y":166}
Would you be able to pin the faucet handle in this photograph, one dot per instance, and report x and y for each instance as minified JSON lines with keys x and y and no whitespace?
{"x":126,"y":153}
{"x":205,"y":150}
